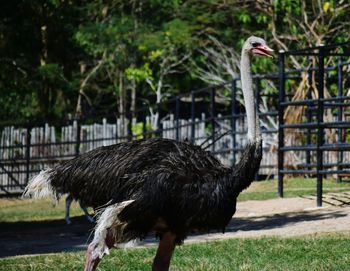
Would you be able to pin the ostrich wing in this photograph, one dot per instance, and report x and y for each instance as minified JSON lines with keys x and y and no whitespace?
{"x":119,"y":171}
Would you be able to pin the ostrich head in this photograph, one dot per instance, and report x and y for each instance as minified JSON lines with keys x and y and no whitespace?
{"x":257,"y":46}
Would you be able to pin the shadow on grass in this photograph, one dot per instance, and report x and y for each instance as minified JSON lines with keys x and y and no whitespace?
{"x":23,"y":238}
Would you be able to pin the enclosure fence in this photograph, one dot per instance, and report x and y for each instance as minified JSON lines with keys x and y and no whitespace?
{"x":323,"y":123}
{"x":302,"y":134}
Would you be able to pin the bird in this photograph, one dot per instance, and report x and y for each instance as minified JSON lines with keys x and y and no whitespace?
{"x":157,"y":185}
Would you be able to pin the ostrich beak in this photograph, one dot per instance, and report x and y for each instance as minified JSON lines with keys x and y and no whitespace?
{"x":263,"y":50}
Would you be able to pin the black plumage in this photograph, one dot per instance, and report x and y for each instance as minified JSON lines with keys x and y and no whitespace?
{"x":179,"y":182}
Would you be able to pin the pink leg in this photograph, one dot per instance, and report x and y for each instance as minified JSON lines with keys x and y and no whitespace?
{"x":91,"y":260}
{"x":165,"y":251}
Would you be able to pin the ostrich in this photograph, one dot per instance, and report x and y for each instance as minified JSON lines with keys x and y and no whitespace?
{"x":158,"y":185}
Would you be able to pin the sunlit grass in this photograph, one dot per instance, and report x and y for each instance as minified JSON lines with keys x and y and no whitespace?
{"x":293,"y":187}
{"x":14,"y":209}
{"x":313,"y":252}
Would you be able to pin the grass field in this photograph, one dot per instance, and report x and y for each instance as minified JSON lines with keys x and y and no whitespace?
{"x":293,"y":187}
{"x":13,"y":210}
{"x":316,"y":252}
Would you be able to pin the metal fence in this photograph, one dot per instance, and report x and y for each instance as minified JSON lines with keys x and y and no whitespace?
{"x":324,"y":122}
{"x":213,"y":117}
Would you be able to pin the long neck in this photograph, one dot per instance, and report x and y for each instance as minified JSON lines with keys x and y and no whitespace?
{"x":249,"y":99}
{"x":241,"y":175}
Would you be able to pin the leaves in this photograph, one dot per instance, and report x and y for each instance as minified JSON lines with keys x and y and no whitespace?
{"x":144,"y":46}
{"x":326,"y":6}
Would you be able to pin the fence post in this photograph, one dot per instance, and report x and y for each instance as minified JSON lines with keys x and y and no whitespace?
{"x":192,"y":117}
{"x":281,"y":86}
{"x":116,"y":128}
{"x":212,"y":113}
{"x":129,"y":127}
{"x":309,"y":117}
{"x":340,"y":117}
{"x":77,"y":143}
{"x":177,"y":117}
{"x":233,"y":118}
{"x":28,"y":137}
{"x":320,"y":136}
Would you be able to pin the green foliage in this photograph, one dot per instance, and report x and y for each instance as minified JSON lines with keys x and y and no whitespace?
{"x":179,"y":32}
{"x":244,"y":17}
{"x":50,"y":72}
{"x":138,"y":129}
{"x":139,"y":74}
{"x":136,"y":41}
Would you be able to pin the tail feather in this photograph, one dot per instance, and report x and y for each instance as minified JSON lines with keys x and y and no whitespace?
{"x":40,"y":186}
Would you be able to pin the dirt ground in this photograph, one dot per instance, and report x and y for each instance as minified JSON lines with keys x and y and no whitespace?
{"x":276,"y":217}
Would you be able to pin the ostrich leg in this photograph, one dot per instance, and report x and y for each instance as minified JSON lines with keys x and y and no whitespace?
{"x":83,"y":207}
{"x":164,"y":252}
{"x":69,"y":201}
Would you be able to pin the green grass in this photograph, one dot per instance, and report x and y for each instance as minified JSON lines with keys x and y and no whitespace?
{"x":315,"y":252}
{"x":13,"y":210}
{"x":293,"y":187}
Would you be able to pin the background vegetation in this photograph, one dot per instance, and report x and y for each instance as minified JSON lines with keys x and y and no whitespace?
{"x":62,"y":58}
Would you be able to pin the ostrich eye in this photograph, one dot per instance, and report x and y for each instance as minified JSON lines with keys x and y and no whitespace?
{"x":255,"y":44}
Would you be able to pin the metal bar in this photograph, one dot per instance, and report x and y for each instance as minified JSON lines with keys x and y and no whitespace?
{"x":77,"y":143}
{"x":193,"y":108}
{"x":320,"y":135}
{"x":129,"y":123}
{"x":325,"y":172}
{"x":334,"y":124}
{"x":28,"y":137}
{"x":331,"y":105}
{"x":144,"y":126}
{"x":299,"y":148}
{"x":324,"y":165}
{"x":309,"y":114}
{"x":298,"y":171}
{"x":324,"y":147}
{"x":281,"y":89}
{"x":212,"y":115}
{"x":340,"y":117}
{"x":177,"y":117}
{"x":299,"y":102}
{"x":335,"y":98}
{"x":233,"y":119}
{"x":315,"y":172}
{"x":116,"y":129}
